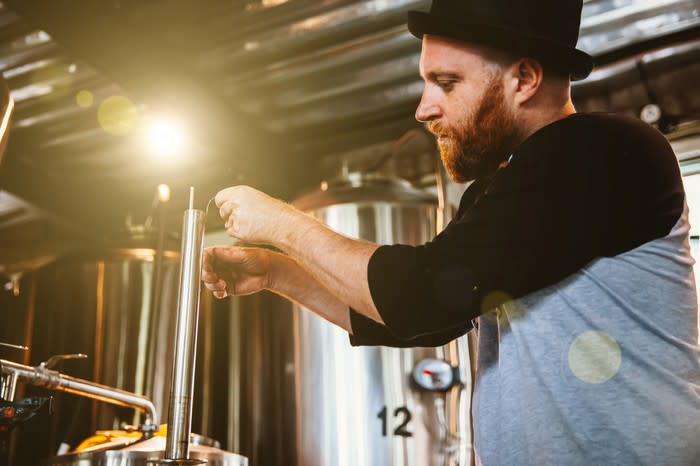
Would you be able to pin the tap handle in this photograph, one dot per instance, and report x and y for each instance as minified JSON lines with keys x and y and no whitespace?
{"x":54,"y":360}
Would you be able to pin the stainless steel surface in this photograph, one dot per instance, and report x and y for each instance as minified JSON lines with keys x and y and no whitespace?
{"x":655,"y":61}
{"x":157,"y":286}
{"x":101,"y":302}
{"x":607,"y":25}
{"x":181,"y":399}
{"x":7,"y":107}
{"x":145,"y":453}
{"x":8,"y":386}
{"x":251,"y":406}
{"x":357,"y":406}
{"x":53,"y":380}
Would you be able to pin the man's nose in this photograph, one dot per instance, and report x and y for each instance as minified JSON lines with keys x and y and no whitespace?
{"x":427,"y":109}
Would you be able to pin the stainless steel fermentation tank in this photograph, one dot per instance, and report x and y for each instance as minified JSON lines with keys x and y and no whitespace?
{"x":361,"y":406}
{"x":178,"y":447}
{"x":101,"y":302}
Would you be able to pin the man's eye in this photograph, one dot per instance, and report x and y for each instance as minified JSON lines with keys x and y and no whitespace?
{"x":446,"y":85}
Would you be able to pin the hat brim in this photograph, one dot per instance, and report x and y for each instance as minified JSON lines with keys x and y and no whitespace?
{"x":568,"y":59}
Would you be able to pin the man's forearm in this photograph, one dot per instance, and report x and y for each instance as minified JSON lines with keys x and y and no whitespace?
{"x":293,"y":282}
{"x":337,"y":262}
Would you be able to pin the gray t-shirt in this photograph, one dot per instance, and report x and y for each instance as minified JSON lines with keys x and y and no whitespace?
{"x":580,"y":244}
{"x":598,"y":369}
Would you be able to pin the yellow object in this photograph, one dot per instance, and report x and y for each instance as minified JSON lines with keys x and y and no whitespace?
{"x":113,"y":438}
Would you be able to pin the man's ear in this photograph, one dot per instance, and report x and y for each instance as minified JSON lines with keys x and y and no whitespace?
{"x":527,"y":79}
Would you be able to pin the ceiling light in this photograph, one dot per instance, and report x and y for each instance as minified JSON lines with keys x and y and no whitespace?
{"x":166,"y":137}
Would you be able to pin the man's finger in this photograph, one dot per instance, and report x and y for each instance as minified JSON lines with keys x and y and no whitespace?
{"x":230,"y":255}
{"x":207,"y":260}
{"x":227,"y":194}
{"x":221,"y":196}
{"x":226,"y":209}
{"x":209,"y":277}
{"x":230,"y":288}
{"x":219,"y":285}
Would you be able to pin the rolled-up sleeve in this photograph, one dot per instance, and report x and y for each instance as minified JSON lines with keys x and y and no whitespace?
{"x":367,"y":332}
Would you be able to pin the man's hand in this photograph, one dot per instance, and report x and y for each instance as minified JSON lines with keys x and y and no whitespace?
{"x":334,"y":266}
{"x":253,"y":216}
{"x":229,"y":271}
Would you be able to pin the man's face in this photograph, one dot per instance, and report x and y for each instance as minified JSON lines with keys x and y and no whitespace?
{"x":463,"y":104}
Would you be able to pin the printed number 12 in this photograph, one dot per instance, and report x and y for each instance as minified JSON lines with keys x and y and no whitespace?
{"x":401,"y":430}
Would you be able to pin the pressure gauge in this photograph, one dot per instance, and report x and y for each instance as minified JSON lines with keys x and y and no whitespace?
{"x":435,"y":375}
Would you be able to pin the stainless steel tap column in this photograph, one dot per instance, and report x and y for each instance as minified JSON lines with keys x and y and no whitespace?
{"x":177,"y":447}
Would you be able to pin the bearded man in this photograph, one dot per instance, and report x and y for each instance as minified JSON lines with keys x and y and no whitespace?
{"x":573,"y":239}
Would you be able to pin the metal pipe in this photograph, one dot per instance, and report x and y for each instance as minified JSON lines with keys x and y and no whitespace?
{"x":8,"y":382}
{"x":53,"y":380}
{"x":180,"y":412}
{"x":8,"y":388}
{"x":10,"y":345}
{"x":157,"y":291}
{"x":99,"y":336}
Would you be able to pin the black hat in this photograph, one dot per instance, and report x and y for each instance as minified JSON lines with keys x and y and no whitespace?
{"x":546,"y":30}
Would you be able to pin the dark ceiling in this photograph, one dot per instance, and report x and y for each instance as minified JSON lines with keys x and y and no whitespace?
{"x":267,"y":89}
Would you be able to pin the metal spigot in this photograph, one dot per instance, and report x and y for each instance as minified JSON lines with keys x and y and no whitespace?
{"x":54,"y":360}
{"x":43,"y":376}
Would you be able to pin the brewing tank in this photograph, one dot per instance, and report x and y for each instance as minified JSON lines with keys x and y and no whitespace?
{"x":361,"y":406}
{"x":101,"y":301}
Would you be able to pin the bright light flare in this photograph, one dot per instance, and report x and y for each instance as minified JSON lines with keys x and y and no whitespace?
{"x":84,"y":99}
{"x":163,"y":192}
{"x":166,"y":137}
{"x":118,"y":115}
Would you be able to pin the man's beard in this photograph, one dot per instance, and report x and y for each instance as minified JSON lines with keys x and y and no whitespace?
{"x":482,"y":140}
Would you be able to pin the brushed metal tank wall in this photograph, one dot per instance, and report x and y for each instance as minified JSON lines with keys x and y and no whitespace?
{"x":99,"y":304}
{"x":16,"y":316}
{"x":357,"y":406}
{"x":245,"y":377}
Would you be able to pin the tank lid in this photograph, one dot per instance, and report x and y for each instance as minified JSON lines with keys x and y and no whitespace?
{"x":362,"y":187}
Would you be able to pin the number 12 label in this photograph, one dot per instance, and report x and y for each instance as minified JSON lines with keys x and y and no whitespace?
{"x":403,"y":416}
